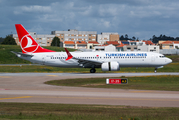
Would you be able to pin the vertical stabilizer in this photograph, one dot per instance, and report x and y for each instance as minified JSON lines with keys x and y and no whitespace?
{"x":27,"y":43}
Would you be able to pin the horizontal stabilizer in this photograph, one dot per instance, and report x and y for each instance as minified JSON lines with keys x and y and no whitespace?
{"x":19,"y":54}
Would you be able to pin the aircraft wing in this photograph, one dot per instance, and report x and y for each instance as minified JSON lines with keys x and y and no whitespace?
{"x":87,"y":63}
{"x":18,"y":54}
{"x":83,"y":62}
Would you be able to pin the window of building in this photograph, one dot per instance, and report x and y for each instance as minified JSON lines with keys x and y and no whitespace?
{"x":128,"y":48}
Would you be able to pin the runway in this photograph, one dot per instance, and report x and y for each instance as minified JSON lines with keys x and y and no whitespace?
{"x":30,"y":88}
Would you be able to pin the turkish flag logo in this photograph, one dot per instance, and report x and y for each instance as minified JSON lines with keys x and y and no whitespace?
{"x":28,"y":44}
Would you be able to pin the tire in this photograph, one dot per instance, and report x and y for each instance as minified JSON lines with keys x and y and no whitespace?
{"x":92,"y":70}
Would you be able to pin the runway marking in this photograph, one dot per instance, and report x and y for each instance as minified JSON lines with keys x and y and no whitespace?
{"x":16,"y":97}
{"x":52,"y":75}
{"x":5,"y":77}
{"x":95,"y":98}
{"x":3,"y":89}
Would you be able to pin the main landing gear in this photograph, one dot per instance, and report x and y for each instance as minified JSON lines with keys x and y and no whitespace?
{"x":92,"y":70}
{"x":155,"y":71}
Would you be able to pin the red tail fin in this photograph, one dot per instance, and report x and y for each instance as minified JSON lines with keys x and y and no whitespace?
{"x":27,"y":43}
{"x":69,"y":54}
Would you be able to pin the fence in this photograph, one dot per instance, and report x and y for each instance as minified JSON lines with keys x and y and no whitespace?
{"x":169,"y":51}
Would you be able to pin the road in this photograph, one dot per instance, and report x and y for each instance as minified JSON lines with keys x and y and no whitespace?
{"x":30,"y":88}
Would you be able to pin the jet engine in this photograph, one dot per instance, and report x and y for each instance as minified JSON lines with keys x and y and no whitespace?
{"x":110,"y":66}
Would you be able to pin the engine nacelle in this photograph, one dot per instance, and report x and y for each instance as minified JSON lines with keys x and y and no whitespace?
{"x":110,"y":66}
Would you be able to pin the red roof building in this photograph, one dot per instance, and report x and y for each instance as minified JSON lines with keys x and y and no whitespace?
{"x":81,"y":42}
{"x":148,"y":42}
{"x":69,"y":42}
{"x":115,"y":43}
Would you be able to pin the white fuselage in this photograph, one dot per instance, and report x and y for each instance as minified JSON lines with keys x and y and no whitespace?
{"x":125,"y":59}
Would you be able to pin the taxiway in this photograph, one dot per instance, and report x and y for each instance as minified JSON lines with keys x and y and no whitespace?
{"x":30,"y":88}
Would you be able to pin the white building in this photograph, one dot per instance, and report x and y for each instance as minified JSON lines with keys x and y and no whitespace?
{"x":148,"y":48}
{"x":176,"y":44}
{"x":106,"y":48}
{"x":104,"y":37}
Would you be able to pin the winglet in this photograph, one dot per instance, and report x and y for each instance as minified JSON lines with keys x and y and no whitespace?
{"x":69,"y":54}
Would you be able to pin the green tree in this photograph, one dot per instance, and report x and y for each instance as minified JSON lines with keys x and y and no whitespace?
{"x":1,"y":40}
{"x":133,"y":38}
{"x":126,"y":37}
{"x":122,"y":37}
{"x":9,"y":40}
{"x":55,"y":42}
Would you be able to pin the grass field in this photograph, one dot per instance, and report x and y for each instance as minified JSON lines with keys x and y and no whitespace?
{"x":165,"y":82}
{"x":35,"y":111}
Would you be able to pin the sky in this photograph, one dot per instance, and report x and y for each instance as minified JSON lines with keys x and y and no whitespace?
{"x":139,"y":18}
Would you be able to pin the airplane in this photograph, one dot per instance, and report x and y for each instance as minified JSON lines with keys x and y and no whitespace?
{"x":107,"y":61}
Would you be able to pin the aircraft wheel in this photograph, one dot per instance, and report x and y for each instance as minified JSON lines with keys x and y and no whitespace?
{"x":155,"y":71}
{"x":93,"y":70}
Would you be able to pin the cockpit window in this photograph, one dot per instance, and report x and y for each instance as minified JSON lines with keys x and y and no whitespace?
{"x":162,"y":56}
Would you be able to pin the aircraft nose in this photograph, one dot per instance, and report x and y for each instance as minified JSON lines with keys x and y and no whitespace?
{"x":169,"y":60}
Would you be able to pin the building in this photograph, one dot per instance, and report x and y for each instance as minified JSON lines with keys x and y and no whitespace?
{"x":106,"y":48}
{"x":148,"y":48}
{"x":167,"y":45}
{"x":75,"y":35}
{"x":42,"y":40}
{"x":69,"y":44}
{"x":104,"y":37}
{"x":115,"y":43}
{"x":92,"y":44}
{"x":81,"y":45}
{"x":120,"y":47}
{"x":130,"y":47}
{"x":148,"y":42}
{"x":176,"y":44}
